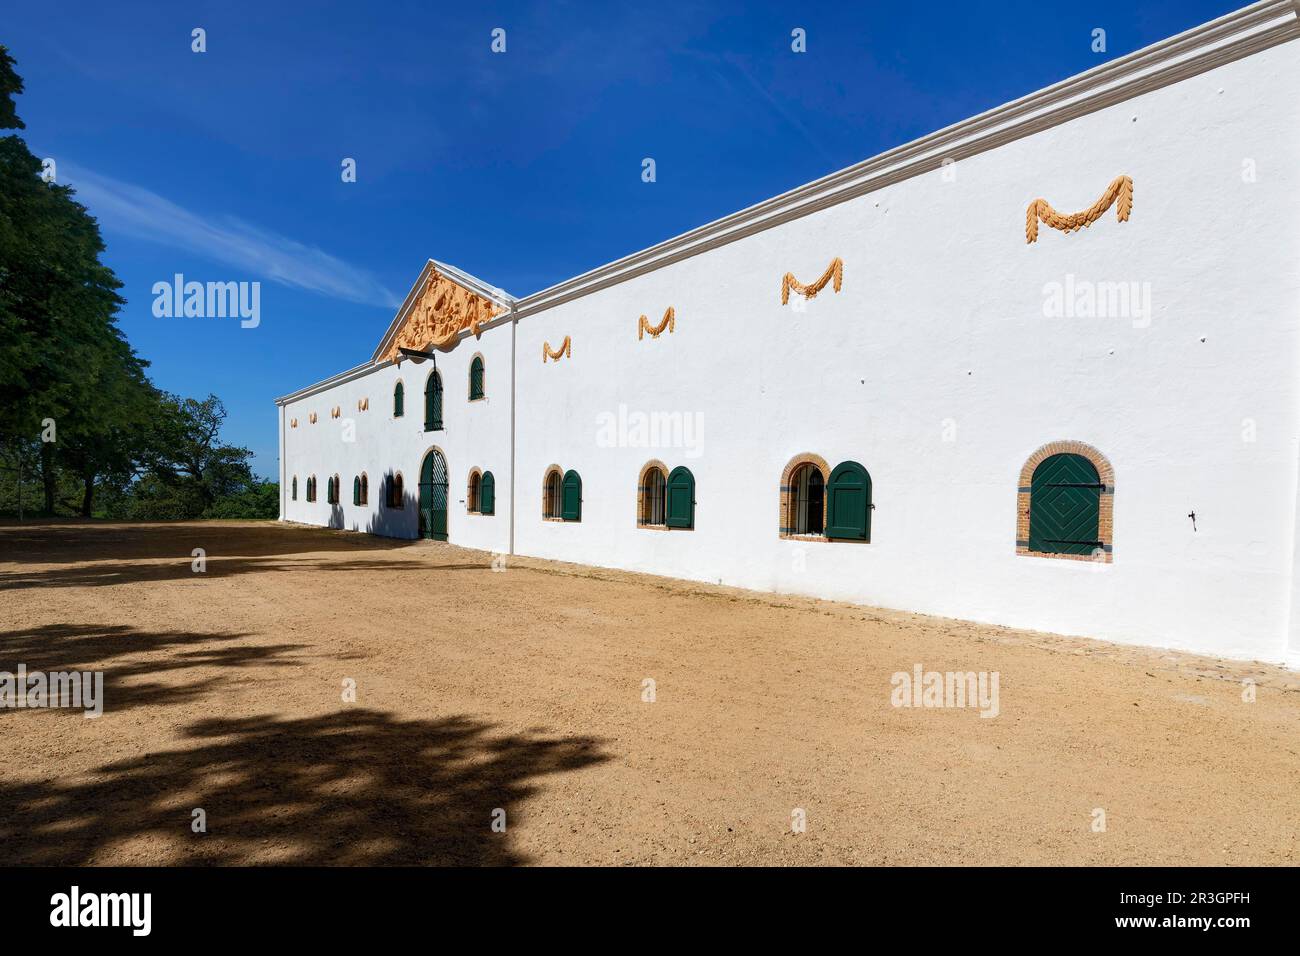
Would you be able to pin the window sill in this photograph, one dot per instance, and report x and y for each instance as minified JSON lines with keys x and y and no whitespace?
{"x":1106,"y":557}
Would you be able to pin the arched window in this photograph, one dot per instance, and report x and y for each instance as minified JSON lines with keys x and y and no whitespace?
{"x":293,"y":489}
{"x":572,"y":504}
{"x":848,"y":503}
{"x":552,"y":493}
{"x":433,"y":402}
{"x":803,"y":496}
{"x":336,"y":491}
{"x":807,"y":500}
{"x":399,"y":400}
{"x":365,"y":490}
{"x":487,"y":495}
{"x":356,"y":490}
{"x":476,"y":378}
{"x":395,"y":494}
{"x":1065,"y":503}
{"x":311,"y":488}
{"x":472,"y":495}
{"x":679,"y":498}
{"x":651,"y":496}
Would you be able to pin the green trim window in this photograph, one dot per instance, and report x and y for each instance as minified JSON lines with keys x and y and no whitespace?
{"x":433,"y":403}
{"x":487,"y":494}
{"x":293,"y":493}
{"x":365,"y":489}
{"x":311,"y":488}
{"x":395,"y":492}
{"x":848,"y":503}
{"x":476,"y":378}
{"x":571,"y":507}
{"x":399,"y":400}
{"x":356,"y":490}
{"x":1065,"y":506}
{"x":680,"y":498}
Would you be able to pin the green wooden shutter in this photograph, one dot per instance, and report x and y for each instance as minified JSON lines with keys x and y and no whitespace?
{"x":1065,"y":506}
{"x":487,"y":494}
{"x":476,"y":377}
{"x":294,"y":493}
{"x":680,"y":496}
{"x":848,"y":503}
{"x":433,"y":403}
{"x":399,"y":400}
{"x":356,"y":490}
{"x":571,"y":506}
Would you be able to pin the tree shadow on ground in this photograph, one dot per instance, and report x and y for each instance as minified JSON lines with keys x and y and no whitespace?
{"x":76,"y":647}
{"x":39,"y":543}
{"x":355,"y":787}
{"x":121,"y":572}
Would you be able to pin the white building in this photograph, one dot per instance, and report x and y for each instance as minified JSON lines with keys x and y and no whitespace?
{"x":1147,"y":363}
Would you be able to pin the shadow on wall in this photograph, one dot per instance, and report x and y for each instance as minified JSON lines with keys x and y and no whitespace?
{"x":400,"y":522}
{"x":355,"y":787}
{"x":336,"y":517}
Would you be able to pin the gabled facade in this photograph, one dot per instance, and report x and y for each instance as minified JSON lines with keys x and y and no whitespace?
{"x":991,"y":374}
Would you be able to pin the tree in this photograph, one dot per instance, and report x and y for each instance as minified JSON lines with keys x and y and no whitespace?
{"x":189,"y":463}
{"x":59,"y":339}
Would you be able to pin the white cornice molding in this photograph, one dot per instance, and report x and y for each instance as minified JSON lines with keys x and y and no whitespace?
{"x":359,"y":371}
{"x":1229,"y":38}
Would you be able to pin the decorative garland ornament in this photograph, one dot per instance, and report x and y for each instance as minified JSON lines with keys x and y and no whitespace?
{"x":834,"y":271}
{"x":669,"y":322}
{"x":1118,"y":193}
{"x":565,"y":349}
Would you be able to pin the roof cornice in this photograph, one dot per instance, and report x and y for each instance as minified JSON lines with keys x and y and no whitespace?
{"x":355,"y":372}
{"x":1231,"y":37}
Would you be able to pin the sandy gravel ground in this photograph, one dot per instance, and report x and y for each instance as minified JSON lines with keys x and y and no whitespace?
{"x":522,"y":691}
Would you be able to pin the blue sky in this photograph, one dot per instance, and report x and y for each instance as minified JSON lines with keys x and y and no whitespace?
{"x":523,"y":168}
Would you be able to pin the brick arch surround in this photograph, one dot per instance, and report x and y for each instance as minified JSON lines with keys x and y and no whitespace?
{"x":1106,"y":517}
{"x":641,"y":515}
{"x":787,"y":499}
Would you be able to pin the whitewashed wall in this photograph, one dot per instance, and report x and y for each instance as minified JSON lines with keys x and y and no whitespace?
{"x":475,"y":434}
{"x":939,"y":331}
{"x":941,"y":318}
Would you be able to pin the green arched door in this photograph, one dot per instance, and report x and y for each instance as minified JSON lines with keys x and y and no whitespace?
{"x":433,"y":496}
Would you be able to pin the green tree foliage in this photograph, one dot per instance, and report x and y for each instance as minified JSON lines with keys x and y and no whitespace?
{"x":65,"y":361}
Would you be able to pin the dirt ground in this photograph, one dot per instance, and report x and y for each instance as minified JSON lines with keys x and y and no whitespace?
{"x":522,"y":691}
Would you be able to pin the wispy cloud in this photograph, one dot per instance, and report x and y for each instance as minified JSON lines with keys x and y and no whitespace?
{"x":143,"y":214}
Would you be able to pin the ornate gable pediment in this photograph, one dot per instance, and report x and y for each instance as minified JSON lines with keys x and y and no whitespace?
{"x":444,"y":309}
